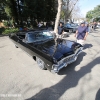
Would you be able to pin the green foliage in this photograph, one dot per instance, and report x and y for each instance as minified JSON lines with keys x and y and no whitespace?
{"x":40,"y":10}
{"x":5,"y":23}
{"x":89,"y":15}
{"x":2,"y":29}
{"x":8,"y":11}
{"x":9,"y":30}
{"x":93,"y":14}
{"x":2,"y":12}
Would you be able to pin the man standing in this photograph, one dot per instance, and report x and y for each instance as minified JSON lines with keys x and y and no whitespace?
{"x":81,"y":33}
{"x":60,"y":30}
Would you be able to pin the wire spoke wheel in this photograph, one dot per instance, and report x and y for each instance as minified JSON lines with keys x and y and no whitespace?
{"x":40,"y":63}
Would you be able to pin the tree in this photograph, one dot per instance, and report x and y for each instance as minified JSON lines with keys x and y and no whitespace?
{"x":23,"y":10}
{"x":94,"y":14}
{"x":3,"y":15}
{"x":68,"y":9}
{"x":58,"y":15}
{"x":66,"y":13}
{"x":76,"y":12}
{"x":41,"y":9}
{"x":11,"y":9}
{"x":89,"y":15}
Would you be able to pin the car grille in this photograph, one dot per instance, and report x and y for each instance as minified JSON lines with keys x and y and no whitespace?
{"x":69,"y":58}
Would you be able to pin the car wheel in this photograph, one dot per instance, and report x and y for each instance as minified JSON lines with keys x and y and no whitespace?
{"x":40,"y":63}
{"x":16,"y":46}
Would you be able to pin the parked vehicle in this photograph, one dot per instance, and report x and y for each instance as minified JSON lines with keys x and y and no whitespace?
{"x":70,"y":27}
{"x":98,"y":26}
{"x":49,"y":53}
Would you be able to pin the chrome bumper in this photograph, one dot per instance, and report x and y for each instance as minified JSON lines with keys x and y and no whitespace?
{"x":63,"y":63}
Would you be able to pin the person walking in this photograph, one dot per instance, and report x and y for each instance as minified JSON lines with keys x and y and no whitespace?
{"x":81,"y":33}
{"x":92,"y":27}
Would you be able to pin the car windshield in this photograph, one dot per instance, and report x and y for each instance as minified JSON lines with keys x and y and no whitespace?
{"x":39,"y":36}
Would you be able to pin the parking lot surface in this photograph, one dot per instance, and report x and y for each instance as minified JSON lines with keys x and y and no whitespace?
{"x":22,"y":79}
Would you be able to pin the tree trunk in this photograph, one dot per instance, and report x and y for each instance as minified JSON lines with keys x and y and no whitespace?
{"x":58,"y":16}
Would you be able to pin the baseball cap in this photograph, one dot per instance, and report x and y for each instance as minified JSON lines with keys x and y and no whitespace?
{"x":82,"y":22}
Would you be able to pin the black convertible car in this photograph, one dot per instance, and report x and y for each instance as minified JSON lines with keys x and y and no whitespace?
{"x":49,"y":53}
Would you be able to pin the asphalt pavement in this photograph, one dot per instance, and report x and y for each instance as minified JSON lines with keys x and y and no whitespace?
{"x":22,"y":79}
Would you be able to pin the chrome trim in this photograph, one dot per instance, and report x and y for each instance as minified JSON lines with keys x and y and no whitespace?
{"x":73,"y":55}
{"x":65,"y":61}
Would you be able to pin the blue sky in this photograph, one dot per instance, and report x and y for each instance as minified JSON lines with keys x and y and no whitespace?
{"x":86,"y":5}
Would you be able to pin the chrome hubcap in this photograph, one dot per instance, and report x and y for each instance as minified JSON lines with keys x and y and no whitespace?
{"x":40,"y":62}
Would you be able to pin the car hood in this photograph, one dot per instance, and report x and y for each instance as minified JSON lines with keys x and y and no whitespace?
{"x":57,"y":48}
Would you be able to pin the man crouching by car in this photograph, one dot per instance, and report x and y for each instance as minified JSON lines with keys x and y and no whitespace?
{"x":81,"y":33}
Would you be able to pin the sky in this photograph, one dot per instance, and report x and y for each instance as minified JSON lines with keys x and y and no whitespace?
{"x":87,"y":5}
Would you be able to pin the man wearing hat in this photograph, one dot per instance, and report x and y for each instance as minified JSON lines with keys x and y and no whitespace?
{"x":60,"y":30}
{"x":81,"y":33}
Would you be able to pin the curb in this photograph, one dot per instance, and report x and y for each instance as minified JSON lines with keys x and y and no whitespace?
{"x":4,"y":35}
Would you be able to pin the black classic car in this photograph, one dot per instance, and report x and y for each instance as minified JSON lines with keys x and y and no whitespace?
{"x":70,"y":27}
{"x":49,"y":53}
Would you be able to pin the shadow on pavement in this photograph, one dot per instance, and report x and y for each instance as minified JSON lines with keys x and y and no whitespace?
{"x":69,"y":81}
{"x":96,"y":30}
{"x":3,"y":35}
{"x":87,"y":46}
{"x":98,"y":95}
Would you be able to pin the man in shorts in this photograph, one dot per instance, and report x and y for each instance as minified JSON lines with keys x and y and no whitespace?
{"x":81,"y":33}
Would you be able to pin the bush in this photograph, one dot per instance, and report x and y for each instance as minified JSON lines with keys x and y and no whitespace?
{"x":2,"y":30}
{"x":5,"y":23}
{"x":10,"y":30}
